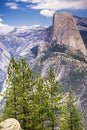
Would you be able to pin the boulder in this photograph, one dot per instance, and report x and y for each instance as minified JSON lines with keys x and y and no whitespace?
{"x":10,"y":124}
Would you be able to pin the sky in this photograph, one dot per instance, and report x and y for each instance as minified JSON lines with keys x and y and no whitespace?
{"x":36,"y":12}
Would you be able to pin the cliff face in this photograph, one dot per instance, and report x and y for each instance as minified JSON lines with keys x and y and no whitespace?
{"x":65,"y":32}
{"x":60,"y":52}
{"x":59,"y":47}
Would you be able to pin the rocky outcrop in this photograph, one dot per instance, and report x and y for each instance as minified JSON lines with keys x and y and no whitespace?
{"x":10,"y":124}
{"x":60,"y":53}
{"x":70,"y":70}
{"x":65,"y":32}
{"x":52,"y":43}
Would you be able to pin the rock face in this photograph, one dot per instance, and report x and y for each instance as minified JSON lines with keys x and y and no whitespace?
{"x":65,"y":32}
{"x":22,"y":42}
{"x":10,"y":124}
{"x":60,"y":53}
{"x":52,"y":47}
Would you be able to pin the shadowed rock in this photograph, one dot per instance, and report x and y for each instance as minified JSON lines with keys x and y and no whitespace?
{"x":10,"y":124}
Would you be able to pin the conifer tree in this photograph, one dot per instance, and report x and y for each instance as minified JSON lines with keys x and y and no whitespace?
{"x":40,"y":105}
{"x":46,"y":103}
{"x":74,"y":117}
{"x":55,"y":97}
{"x":39,"y":102}
{"x":10,"y":108}
{"x":25,"y":90}
{"x":18,"y":92}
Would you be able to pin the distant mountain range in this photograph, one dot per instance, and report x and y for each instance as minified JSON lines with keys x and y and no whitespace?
{"x":59,"y":47}
{"x":20,"y":43}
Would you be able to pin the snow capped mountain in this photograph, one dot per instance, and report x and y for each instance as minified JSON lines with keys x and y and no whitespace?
{"x":4,"y":61}
{"x":4,"y":57}
{"x":21,"y":42}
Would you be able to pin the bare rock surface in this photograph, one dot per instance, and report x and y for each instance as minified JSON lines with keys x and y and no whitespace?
{"x":10,"y":124}
{"x":65,"y":52}
{"x":65,"y":32}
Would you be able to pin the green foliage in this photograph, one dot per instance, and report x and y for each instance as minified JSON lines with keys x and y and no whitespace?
{"x":75,"y":120}
{"x":0,"y":118}
{"x":54,"y":100}
{"x":72,"y":118}
{"x":19,"y":85}
{"x":37,"y":103}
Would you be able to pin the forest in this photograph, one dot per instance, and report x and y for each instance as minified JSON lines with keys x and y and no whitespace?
{"x":39,"y":103}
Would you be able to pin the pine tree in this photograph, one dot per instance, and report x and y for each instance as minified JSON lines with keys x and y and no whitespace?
{"x":38,"y":104}
{"x":74,"y":118}
{"x":25,"y":90}
{"x":18,"y":92}
{"x":55,"y":97}
{"x":39,"y":113}
{"x":45,"y":104}
{"x":10,"y":108}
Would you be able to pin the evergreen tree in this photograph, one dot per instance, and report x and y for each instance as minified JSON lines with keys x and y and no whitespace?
{"x":39,"y":105}
{"x":10,"y":108}
{"x":18,"y":92}
{"x":73,"y":118}
{"x":25,"y":90}
{"x":46,"y":106}
{"x":55,"y":97}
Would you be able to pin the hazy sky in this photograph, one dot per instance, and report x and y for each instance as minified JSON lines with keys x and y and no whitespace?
{"x":36,"y":12}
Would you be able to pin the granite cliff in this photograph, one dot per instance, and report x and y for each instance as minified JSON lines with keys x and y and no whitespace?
{"x":65,"y":32}
{"x":60,"y":47}
{"x":65,"y":52}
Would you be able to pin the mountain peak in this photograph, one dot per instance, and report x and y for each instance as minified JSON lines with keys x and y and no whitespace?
{"x":65,"y":32}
